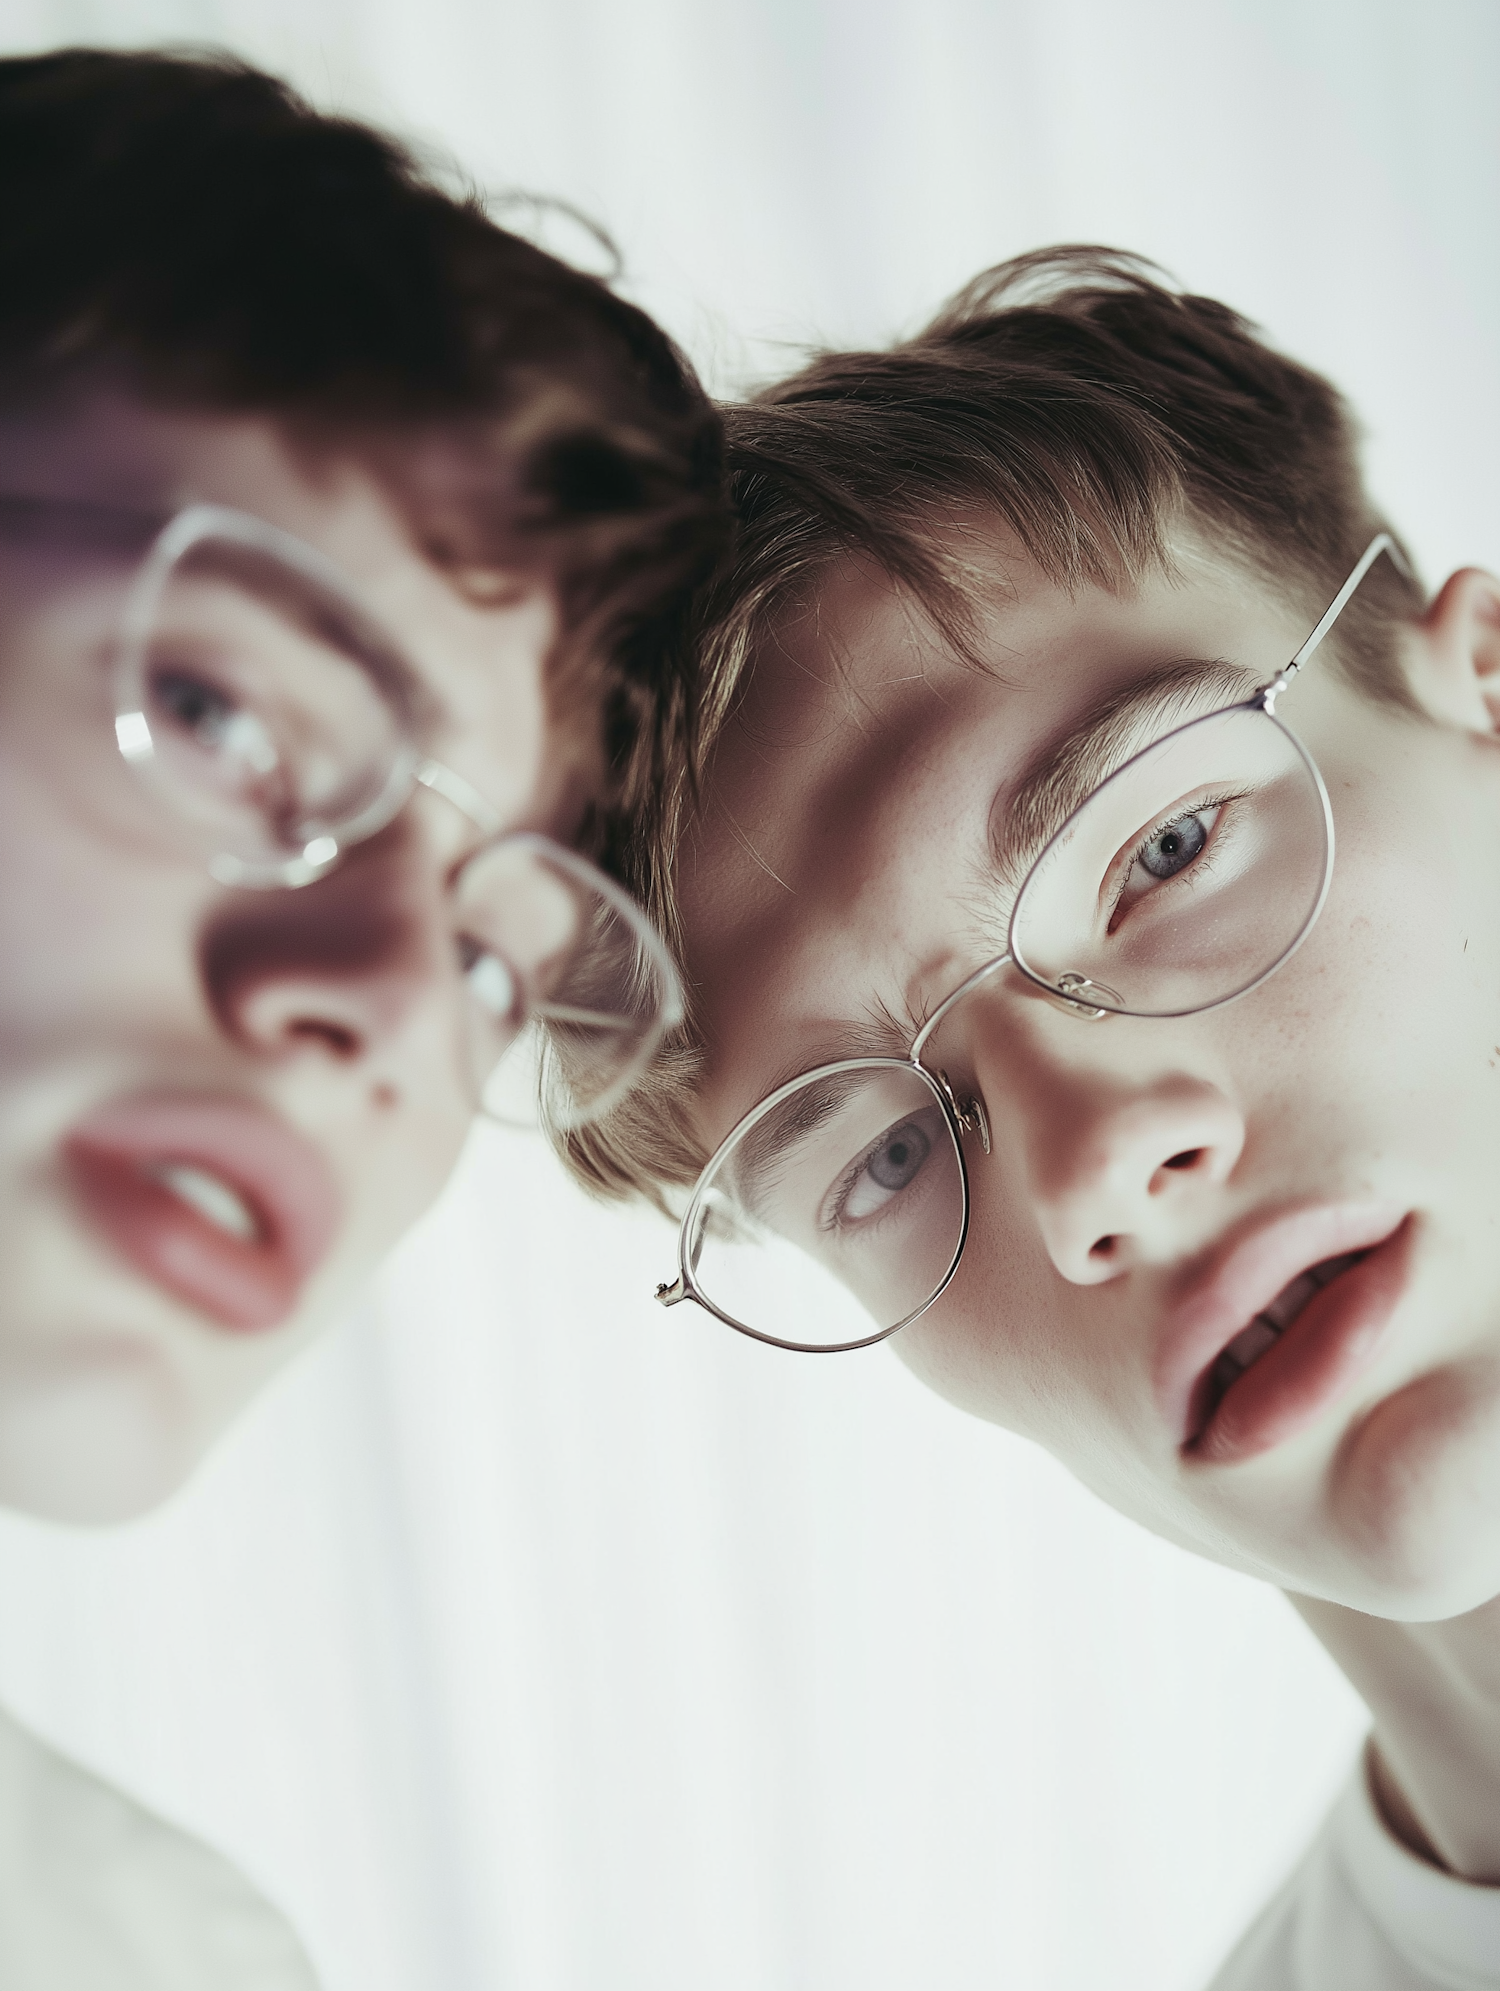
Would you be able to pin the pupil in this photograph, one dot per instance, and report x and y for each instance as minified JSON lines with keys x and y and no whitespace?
{"x":1171,"y":850}
{"x":899,"y":1156}
{"x":196,"y":706}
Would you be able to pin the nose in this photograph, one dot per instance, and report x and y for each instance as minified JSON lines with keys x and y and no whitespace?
{"x":1119,"y":1165}
{"x":336,"y":967}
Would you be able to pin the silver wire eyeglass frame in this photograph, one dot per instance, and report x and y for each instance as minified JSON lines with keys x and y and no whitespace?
{"x":965,"y":1115}
{"x":396,"y":681}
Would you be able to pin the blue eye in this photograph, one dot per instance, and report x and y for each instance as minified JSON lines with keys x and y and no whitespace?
{"x":899,"y":1156}
{"x":1173,"y":847}
{"x":889,"y":1168}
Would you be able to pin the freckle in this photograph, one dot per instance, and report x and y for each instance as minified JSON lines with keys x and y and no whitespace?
{"x":383,"y":1096}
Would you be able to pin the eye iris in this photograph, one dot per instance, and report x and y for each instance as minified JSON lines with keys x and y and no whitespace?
{"x":899,"y":1156}
{"x":1172,"y":849}
{"x":197,"y":707}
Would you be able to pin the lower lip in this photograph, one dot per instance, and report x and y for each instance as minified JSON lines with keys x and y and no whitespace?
{"x":1324,"y":1352}
{"x":244,"y":1284}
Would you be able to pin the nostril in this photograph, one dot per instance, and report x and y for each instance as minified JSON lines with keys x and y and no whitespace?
{"x":343,"y":1043}
{"x":1189,"y":1158}
{"x":1103,"y":1247}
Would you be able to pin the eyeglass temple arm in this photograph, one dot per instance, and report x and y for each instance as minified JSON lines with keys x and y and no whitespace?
{"x":1381,"y":543}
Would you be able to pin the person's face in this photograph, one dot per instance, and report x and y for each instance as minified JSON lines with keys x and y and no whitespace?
{"x":218,"y":1108}
{"x":1153,"y":1185}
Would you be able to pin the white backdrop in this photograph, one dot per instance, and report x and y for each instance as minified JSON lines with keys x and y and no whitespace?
{"x":526,"y":1638}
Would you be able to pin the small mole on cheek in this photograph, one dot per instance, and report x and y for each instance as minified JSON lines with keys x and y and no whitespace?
{"x":384,"y":1096}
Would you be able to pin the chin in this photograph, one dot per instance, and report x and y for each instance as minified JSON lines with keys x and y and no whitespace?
{"x":95,"y":1438}
{"x":1415,"y":1496}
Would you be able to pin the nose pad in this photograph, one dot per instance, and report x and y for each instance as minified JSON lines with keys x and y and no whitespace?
{"x":1116,"y":1172}
{"x":334,"y":966}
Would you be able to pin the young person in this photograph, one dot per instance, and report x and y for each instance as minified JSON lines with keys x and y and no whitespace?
{"x":1087,"y":911}
{"x":340,"y":537}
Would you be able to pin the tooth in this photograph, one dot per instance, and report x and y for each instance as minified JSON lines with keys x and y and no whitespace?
{"x":1290,"y":1301}
{"x":1330,"y":1269}
{"x":211,"y":1197}
{"x":1247,"y":1346}
{"x":1252,"y":1341}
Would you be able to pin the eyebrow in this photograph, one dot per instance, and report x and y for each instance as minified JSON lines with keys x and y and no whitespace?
{"x":783,"y":1131}
{"x":1062,"y":773}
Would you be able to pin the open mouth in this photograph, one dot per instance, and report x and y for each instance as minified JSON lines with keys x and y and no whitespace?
{"x":217,"y":1201}
{"x":1304,"y":1350}
{"x":1267,"y":1328}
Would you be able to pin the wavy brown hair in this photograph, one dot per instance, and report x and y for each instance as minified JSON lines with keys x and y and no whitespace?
{"x":1079,"y":398}
{"x":192,"y":230}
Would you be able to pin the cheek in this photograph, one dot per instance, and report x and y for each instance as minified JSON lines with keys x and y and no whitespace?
{"x":1378,"y":1046}
{"x":997,"y":1343}
{"x":92,"y":931}
{"x":398,"y":1143}
{"x":1416,"y":1491}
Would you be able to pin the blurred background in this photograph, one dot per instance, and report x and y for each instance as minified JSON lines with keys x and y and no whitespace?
{"x":526,"y":1636}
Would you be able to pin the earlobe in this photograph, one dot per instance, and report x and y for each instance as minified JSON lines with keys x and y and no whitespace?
{"x":1456,"y":665}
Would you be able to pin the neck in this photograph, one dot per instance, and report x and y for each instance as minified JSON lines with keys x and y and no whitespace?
{"x":1434,"y":1691}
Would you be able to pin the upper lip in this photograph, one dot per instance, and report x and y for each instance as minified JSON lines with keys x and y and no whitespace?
{"x":1241,"y":1278}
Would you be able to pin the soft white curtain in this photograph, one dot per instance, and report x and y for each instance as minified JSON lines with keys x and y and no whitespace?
{"x":526,"y":1638}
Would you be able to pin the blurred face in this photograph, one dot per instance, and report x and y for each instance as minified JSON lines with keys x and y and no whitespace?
{"x":219,"y":1107}
{"x":1240,"y":1271}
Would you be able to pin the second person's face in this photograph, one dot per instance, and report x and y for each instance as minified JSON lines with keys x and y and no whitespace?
{"x":218,"y":1107}
{"x":1155,"y":1185}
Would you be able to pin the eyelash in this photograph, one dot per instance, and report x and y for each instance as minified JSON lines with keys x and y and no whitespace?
{"x":1200,"y":865}
{"x":844,"y":1189}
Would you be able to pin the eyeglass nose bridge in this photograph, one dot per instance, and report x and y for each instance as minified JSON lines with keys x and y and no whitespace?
{"x":969,"y":1112}
{"x":1069,"y":993}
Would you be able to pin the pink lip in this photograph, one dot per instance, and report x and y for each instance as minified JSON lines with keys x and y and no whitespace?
{"x":1331,"y":1339}
{"x":116,"y":1154}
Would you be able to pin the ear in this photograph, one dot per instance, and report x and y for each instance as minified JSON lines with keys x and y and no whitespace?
{"x":1455,"y":665}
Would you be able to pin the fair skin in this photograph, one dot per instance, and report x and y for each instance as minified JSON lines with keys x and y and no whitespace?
{"x":308,"y":1039}
{"x":1148,"y":1178}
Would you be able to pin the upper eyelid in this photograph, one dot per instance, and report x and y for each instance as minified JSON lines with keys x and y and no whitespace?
{"x":1062,"y":775}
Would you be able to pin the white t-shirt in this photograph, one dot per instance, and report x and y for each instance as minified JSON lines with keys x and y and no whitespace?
{"x":1361,"y":1913}
{"x":98,"y":1895}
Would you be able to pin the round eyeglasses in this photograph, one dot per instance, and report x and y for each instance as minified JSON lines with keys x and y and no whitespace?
{"x":836,"y":1211}
{"x":263,"y":703}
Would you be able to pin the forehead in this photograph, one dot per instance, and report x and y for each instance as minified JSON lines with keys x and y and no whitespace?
{"x":849,"y":806}
{"x":108,"y":447}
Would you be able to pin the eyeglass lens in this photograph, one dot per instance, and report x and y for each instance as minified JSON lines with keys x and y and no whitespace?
{"x":1187,"y":877}
{"x":546,"y":950}
{"x":835,"y":1216}
{"x":264,"y":703}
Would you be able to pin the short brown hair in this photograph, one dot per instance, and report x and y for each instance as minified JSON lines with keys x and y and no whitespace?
{"x":1078,"y":396}
{"x":189,"y":227}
